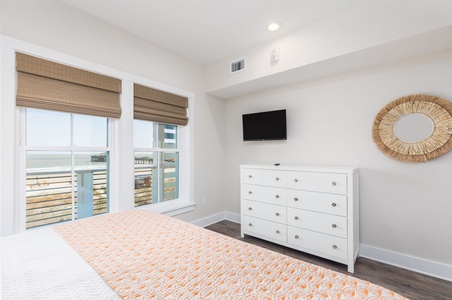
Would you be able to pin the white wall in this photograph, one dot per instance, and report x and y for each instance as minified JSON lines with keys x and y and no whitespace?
{"x":372,"y":33}
{"x":405,"y":207}
{"x":59,"y":27}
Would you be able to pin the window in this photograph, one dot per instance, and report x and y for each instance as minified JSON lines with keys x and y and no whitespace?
{"x":67,"y":166}
{"x":156,"y":162}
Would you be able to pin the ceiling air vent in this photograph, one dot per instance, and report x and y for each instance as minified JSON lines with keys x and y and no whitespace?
{"x":238,"y":65}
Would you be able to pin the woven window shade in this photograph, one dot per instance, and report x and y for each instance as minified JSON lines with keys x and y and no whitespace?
{"x":158,"y":106}
{"x":48,"y":85}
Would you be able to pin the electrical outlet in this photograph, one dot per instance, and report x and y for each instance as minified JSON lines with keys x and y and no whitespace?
{"x":204,"y":202}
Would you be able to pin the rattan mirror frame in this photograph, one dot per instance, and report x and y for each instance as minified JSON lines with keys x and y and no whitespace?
{"x":439,"y":110}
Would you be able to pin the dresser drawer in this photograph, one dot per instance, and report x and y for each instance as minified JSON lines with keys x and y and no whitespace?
{"x":269,"y":229}
{"x":265,"y":211}
{"x":264,"y":194}
{"x":327,"y":203}
{"x":264,"y":177}
{"x":324,"y":223}
{"x":317,"y":182}
{"x":319,"y":242}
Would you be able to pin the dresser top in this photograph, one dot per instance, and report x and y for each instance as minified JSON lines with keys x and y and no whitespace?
{"x":303,"y":168}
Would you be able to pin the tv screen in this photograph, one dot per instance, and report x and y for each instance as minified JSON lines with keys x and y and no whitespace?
{"x":269,"y":125}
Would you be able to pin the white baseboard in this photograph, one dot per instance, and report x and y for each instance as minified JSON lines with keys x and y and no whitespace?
{"x":400,"y":260}
{"x":209,"y":220}
{"x":408,"y":262}
{"x":233,"y":217}
{"x":226,"y":215}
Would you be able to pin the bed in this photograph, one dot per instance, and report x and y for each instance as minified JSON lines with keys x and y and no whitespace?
{"x":144,"y":255}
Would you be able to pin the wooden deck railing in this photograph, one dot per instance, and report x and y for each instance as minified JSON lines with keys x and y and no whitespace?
{"x":143,"y":186}
{"x":49,"y":197}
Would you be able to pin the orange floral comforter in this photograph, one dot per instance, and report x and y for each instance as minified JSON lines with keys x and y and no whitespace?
{"x":144,"y":255}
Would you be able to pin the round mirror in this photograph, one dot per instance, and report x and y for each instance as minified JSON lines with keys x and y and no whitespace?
{"x":413,"y":128}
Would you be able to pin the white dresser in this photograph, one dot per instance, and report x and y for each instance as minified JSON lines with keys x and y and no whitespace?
{"x":311,"y":209}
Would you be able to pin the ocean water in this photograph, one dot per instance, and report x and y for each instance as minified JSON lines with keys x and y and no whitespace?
{"x":60,"y":160}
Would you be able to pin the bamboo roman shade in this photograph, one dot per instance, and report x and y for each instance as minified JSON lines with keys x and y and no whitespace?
{"x":48,"y":85}
{"x":158,"y":106}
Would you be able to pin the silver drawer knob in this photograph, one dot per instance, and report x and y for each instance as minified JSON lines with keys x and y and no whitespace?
{"x":250,"y":224}
{"x":296,"y":218}
{"x":250,"y":176}
{"x":333,"y":204}
{"x":295,"y":199}
{"x":333,"y":183}
{"x":295,"y":180}
{"x":277,"y":231}
{"x":297,"y":237}
{"x":334,"y":225}
{"x":277,"y":178}
{"x":250,"y":208}
{"x":277,"y":196}
{"x":250,"y":192}
{"x":334,"y":247}
{"x":277,"y":214}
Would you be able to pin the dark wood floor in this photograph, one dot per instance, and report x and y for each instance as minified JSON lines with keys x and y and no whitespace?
{"x":407,"y":283}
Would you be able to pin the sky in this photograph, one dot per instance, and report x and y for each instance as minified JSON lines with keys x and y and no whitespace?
{"x":53,"y":129}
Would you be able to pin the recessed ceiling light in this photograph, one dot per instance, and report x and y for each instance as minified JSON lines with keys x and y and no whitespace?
{"x":273,"y":26}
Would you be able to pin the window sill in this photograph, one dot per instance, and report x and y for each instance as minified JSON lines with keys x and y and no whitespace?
{"x":170,"y":208}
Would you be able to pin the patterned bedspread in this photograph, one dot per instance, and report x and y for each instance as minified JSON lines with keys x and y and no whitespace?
{"x":144,"y":255}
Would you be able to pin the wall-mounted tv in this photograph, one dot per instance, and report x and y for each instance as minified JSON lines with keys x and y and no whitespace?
{"x":262,"y":126}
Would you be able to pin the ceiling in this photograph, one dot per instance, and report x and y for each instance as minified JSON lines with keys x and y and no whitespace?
{"x":207,"y":31}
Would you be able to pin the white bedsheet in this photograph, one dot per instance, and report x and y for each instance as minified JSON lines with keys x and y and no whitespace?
{"x":39,"y":264}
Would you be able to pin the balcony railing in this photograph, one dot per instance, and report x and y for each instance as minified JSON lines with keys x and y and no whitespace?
{"x":143,"y":185}
{"x":49,"y":196}
{"x":49,"y":193}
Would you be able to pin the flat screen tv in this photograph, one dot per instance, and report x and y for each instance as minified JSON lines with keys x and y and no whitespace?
{"x":262,"y":126}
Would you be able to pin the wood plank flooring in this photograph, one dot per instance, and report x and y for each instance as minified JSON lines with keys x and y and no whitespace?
{"x":410,"y":284}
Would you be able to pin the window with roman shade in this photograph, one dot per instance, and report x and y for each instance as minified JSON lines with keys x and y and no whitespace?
{"x":48,"y":85}
{"x":158,"y":106}
{"x":157,"y":118}
{"x":67,"y":143}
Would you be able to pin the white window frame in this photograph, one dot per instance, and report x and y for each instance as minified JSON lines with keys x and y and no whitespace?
{"x":160,"y":150}
{"x":183,"y":203}
{"x":121,"y":155}
{"x":23,"y":148}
